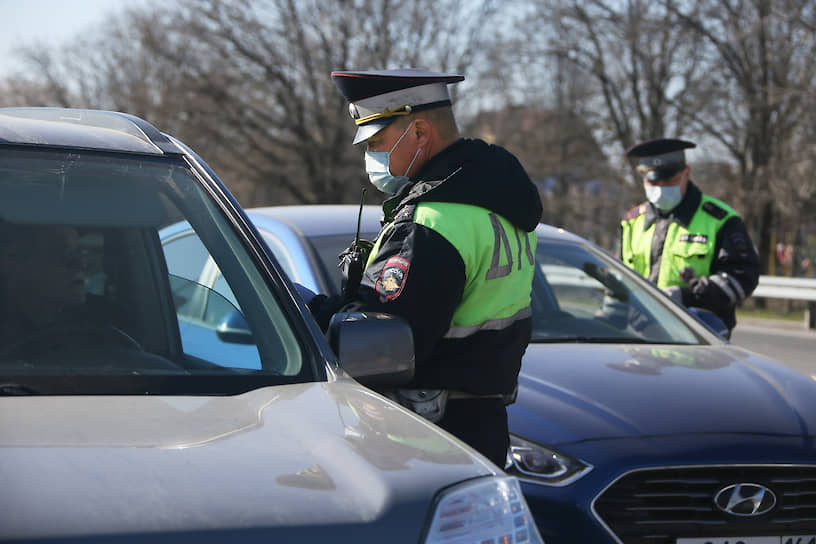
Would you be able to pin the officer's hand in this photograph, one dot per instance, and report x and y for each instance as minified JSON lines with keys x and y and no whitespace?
{"x":307,"y":294}
{"x":324,"y":307}
{"x":675,"y":292}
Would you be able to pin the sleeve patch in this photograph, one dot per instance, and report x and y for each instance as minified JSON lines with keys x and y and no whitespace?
{"x":714,"y":210}
{"x":392,"y":278}
{"x":740,"y":243}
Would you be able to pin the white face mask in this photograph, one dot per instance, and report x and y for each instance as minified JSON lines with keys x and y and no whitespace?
{"x":378,"y":168}
{"x":665,"y":197}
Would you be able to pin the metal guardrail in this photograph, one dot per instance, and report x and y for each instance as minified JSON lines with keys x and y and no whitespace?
{"x":793,"y":289}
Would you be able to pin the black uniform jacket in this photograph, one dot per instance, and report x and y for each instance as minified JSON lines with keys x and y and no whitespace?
{"x":469,"y":172}
{"x":734,"y":255}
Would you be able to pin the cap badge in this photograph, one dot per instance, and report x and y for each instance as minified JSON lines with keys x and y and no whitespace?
{"x":405,"y":109}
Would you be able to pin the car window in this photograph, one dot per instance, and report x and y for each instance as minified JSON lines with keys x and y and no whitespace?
{"x":281,"y":253}
{"x":186,"y":255}
{"x":88,"y":290}
{"x":204,"y":303}
{"x":580,"y":294}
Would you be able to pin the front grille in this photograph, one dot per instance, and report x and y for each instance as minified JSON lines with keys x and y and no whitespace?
{"x":657,"y":506}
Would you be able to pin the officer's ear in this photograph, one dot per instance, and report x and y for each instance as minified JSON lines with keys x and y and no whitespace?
{"x":423,"y":129}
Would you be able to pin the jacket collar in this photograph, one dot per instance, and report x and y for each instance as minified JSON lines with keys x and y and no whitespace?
{"x":427,"y":179}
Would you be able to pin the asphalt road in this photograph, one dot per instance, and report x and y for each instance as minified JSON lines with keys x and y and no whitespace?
{"x":785,"y":342}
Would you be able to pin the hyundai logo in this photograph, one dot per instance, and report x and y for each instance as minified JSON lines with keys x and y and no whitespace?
{"x":745,"y":499}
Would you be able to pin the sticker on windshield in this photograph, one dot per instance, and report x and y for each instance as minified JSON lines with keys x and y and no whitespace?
{"x":392,"y":278}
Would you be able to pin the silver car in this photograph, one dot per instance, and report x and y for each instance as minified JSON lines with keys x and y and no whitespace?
{"x":140,"y":401}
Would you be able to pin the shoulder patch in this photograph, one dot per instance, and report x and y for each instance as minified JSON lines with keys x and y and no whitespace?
{"x":392,"y":278}
{"x":740,"y":243}
{"x":713,"y":210}
{"x":638,"y":210}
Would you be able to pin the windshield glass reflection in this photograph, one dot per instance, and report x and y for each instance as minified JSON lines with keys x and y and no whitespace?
{"x":581,"y":295}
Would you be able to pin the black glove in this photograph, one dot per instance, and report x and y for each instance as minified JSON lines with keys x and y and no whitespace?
{"x":323,"y":307}
{"x":352,"y":263}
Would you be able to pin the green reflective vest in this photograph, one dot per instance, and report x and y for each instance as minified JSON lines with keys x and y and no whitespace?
{"x":691,"y":246}
{"x":499,"y":263}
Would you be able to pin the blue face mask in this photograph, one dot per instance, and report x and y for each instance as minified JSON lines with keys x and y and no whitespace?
{"x":665,"y":197}
{"x":378,"y":168}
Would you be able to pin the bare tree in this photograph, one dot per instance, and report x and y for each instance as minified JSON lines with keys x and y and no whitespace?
{"x":247,"y":83}
{"x":561,"y":155}
{"x":736,"y":75}
{"x":761,"y":81}
{"x":640,"y":62}
{"x":612,"y":71}
{"x":263,"y":72}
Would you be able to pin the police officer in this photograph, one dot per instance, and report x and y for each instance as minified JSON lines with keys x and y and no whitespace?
{"x":455,"y":257}
{"x":693,"y":246}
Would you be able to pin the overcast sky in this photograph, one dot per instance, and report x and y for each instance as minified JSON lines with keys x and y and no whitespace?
{"x":26,"y":22}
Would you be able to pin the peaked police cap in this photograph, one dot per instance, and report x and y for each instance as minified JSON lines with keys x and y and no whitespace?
{"x":377,"y":97}
{"x":660,"y":158}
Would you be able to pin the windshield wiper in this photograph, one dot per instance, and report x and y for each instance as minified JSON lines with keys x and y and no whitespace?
{"x":16,"y":390}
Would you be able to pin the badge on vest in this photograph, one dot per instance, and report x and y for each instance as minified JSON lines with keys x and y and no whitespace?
{"x":694,"y":238}
{"x":392,"y":278}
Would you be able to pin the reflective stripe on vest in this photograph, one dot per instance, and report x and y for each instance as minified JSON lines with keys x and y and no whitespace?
{"x":684,"y":247}
{"x":499,"y":264}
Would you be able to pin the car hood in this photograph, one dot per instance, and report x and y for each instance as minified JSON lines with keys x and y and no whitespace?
{"x":571,"y":392}
{"x":297,"y":458}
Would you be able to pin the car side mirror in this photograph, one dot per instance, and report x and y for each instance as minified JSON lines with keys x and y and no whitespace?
{"x":234,"y":329}
{"x":712,"y":321}
{"x":376,"y":349}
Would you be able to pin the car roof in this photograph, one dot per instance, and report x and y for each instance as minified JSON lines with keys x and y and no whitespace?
{"x":320,"y":219}
{"x":83,"y":129}
{"x":328,"y":219}
{"x":552,"y":234}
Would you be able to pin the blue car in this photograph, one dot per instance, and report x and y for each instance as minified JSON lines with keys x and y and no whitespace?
{"x":634,"y":422}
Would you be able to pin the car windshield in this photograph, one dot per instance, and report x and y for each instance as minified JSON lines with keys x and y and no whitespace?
{"x":91,"y":302}
{"x":580,"y":294}
{"x":583,"y":295}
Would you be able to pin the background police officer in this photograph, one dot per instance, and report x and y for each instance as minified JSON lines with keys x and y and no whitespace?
{"x":455,"y":258}
{"x":693,"y":246}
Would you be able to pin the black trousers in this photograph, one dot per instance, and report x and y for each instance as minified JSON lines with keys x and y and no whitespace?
{"x":481,"y":423}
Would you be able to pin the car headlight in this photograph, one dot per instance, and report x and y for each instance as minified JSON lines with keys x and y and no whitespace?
{"x":539,"y":464}
{"x":483,"y":510}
